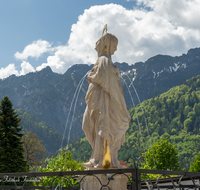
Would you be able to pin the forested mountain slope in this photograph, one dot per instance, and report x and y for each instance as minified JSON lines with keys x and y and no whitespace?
{"x":174,"y":114}
{"x":51,"y":138}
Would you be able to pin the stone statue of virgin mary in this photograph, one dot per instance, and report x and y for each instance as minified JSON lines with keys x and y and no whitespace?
{"x":106,"y":118}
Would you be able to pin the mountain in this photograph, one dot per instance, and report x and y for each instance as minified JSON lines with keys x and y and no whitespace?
{"x":52,"y":139}
{"x":174,"y":114}
{"x":48,"y":96}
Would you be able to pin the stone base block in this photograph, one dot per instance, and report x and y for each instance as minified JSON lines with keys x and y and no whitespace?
{"x":119,"y":182}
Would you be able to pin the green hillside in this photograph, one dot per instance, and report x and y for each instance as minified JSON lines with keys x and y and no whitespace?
{"x":51,"y":138}
{"x":174,"y":114}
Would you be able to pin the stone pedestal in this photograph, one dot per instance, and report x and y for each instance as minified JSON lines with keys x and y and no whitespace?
{"x":119,"y":182}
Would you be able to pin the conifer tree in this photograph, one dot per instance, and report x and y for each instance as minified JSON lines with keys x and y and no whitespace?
{"x":11,"y":145}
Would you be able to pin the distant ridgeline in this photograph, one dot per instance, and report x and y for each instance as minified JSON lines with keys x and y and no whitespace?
{"x":174,"y":114}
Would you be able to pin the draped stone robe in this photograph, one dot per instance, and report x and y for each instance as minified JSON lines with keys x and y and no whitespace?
{"x":106,"y":116}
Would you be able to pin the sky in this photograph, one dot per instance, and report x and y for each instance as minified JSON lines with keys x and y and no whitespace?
{"x":39,"y":33}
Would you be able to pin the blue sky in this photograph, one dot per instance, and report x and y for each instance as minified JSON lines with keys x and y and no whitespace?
{"x":37,"y":33}
{"x":25,"y":21}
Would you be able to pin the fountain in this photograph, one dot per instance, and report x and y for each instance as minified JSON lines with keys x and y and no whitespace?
{"x":106,"y":118}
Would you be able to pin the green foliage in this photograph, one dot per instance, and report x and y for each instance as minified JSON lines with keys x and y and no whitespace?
{"x":41,"y":129}
{"x":11,"y":146}
{"x":162,"y":156}
{"x":195,"y":167}
{"x":62,"y":162}
{"x":174,"y":114}
{"x":80,"y":149}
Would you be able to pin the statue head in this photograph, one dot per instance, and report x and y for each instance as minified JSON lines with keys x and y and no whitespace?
{"x":108,"y":41}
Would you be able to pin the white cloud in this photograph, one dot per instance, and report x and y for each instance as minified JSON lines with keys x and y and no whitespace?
{"x":36,"y":49}
{"x":26,"y":68}
{"x":7,"y":71}
{"x":160,"y":27}
{"x":180,"y":12}
{"x":170,"y":27}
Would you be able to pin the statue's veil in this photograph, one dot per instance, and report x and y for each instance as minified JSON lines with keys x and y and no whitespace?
{"x":101,"y":44}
